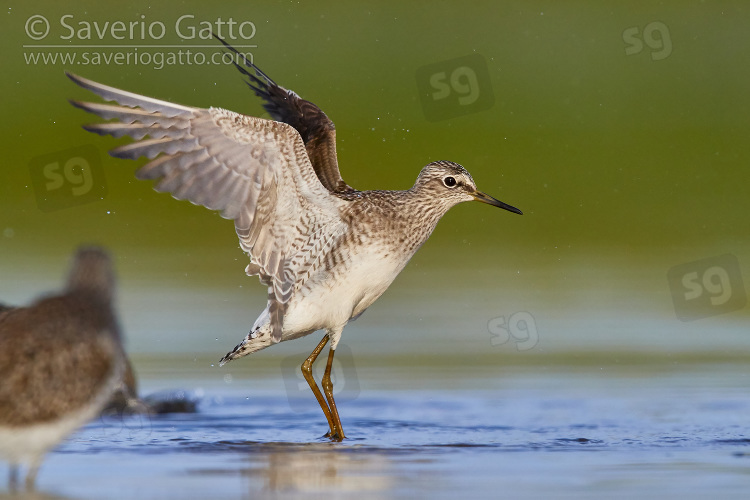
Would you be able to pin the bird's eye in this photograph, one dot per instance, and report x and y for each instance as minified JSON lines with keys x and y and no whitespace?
{"x":449,"y":181}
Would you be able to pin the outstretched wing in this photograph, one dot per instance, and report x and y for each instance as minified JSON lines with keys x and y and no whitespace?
{"x":316,"y":129}
{"x":254,"y":171}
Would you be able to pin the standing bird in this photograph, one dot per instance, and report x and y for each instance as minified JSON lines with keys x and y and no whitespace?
{"x":61,"y":359}
{"x":325,"y":251}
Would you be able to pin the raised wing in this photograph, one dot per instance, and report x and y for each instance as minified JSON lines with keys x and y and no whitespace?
{"x":316,"y":129}
{"x":254,"y":171}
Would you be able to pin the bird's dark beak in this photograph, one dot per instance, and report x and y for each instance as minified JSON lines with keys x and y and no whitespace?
{"x":485,"y":198}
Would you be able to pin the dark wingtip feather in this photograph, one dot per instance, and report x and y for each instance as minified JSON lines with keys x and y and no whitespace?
{"x":94,"y":127}
{"x":78,"y":80}
{"x":309,"y":120}
{"x":249,"y":64}
{"x":76,"y":104}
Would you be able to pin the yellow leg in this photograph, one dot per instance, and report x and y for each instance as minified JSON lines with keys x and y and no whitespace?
{"x":337,"y":432}
{"x":307,"y":373}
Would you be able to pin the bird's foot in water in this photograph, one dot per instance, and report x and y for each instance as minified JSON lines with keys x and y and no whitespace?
{"x":335,"y":436}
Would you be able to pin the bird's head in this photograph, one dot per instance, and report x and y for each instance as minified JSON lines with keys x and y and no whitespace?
{"x":452,"y":183}
{"x":92,"y":272}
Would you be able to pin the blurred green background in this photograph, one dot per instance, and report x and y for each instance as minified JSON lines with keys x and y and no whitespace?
{"x":621,"y":130}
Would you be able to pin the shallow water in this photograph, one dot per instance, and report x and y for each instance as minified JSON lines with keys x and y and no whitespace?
{"x":539,"y":432}
{"x":434,"y":402}
{"x":620,"y":131}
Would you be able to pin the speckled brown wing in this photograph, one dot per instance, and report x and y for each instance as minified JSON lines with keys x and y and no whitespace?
{"x":255,"y":171}
{"x":316,"y":129}
{"x":58,"y":354}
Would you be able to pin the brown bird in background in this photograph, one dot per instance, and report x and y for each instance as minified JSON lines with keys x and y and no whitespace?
{"x":61,"y":359}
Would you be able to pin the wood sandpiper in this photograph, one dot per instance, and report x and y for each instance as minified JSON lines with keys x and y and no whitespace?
{"x":61,"y":360}
{"x":324,"y":250}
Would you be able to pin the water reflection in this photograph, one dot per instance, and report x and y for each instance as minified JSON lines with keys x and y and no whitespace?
{"x":319,"y":468}
{"x":32,"y":495}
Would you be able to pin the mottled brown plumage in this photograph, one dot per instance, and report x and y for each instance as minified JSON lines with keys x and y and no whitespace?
{"x":325,"y":251}
{"x":67,"y":360}
{"x":60,"y":360}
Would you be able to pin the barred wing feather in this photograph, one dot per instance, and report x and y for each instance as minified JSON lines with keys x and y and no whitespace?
{"x":256,"y":172}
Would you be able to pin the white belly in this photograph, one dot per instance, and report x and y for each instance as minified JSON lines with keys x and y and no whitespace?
{"x":332,"y":302}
